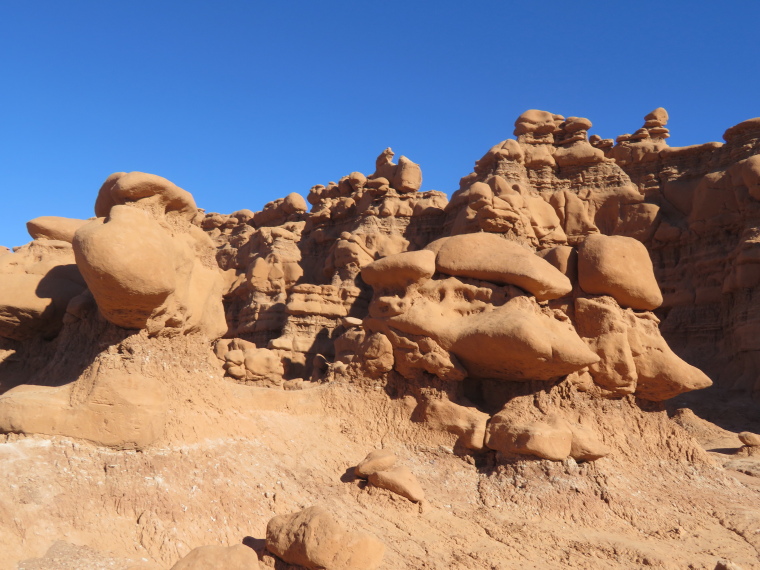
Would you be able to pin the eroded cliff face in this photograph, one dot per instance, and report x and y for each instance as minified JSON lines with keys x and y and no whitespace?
{"x":569,"y":286}
{"x":703,"y":246}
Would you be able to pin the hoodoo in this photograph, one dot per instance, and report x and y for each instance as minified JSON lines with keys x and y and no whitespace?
{"x":505,"y":353}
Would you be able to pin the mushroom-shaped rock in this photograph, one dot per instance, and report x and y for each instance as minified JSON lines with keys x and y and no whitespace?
{"x":400,"y":270}
{"x":618,"y":266}
{"x":314,"y":539}
{"x":534,"y":121}
{"x":237,"y":557}
{"x":657,"y":118}
{"x":146,"y":273}
{"x":128,"y":264}
{"x":750,"y":439}
{"x":149,"y":191}
{"x":492,"y":258}
{"x":54,"y":227}
{"x":378,"y":460}
{"x":399,"y":480}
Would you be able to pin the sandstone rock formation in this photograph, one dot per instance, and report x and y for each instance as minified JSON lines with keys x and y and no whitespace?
{"x":380,"y":469}
{"x":526,"y":324}
{"x":238,"y":557}
{"x":145,"y":262}
{"x":313,"y":539}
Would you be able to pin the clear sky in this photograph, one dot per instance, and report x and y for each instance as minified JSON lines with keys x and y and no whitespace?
{"x":241,"y":102}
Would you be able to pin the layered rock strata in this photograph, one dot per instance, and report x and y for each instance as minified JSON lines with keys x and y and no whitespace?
{"x":535,"y":276}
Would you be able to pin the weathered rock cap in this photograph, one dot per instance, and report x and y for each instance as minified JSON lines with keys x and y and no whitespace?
{"x":492,"y":258}
{"x":400,"y":270}
{"x":750,"y":439}
{"x":314,"y":539}
{"x":213,"y":557}
{"x":657,"y":118}
{"x":534,"y":121}
{"x":54,"y":227}
{"x":618,"y":266}
{"x":750,"y":125}
{"x":156,"y":193}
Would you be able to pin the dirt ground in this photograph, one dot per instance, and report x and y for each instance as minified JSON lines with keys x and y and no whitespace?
{"x":69,"y":505}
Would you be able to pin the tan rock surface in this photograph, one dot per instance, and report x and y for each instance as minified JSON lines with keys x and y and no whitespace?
{"x":485,"y":256}
{"x":238,"y":557}
{"x":314,"y":539}
{"x":750,"y":439}
{"x":378,"y":460}
{"x":618,"y":266}
{"x":343,"y":334}
{"x":399,"y":480}
{"x":54,"y":227}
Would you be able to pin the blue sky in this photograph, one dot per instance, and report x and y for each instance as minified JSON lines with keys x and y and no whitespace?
{"x":242,"y":102}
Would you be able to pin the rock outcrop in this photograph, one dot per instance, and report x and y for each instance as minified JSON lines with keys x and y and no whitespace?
{"x":530,"y":325}
{"x":515,"y":280}
{"x":145,"y":262}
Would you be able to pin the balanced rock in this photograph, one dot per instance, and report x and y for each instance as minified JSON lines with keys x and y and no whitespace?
{"x":146,"y":264}
{"x":237,"y":557}
{"x":400,"y":270}
{"x":618,"y":266}
{"x":750,"y":439}
{"x":54,"y":227}
{"x":312,"y":538}
{"x":489,"y":257}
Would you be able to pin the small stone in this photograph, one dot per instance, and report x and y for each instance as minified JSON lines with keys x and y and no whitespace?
{"x":378,"y":460}
{"x":724,"y":564}
{"x":399,"y":480}
{"x":351,"y":322}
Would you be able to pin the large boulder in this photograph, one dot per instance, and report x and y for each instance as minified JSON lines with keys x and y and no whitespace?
{"x":400,"y":270}
{"x":146,"y":264}
{"x":54,"y":227}
{"x":618,"y":266}
{"x":634,"y":357}
{"x":313,"y":539}
{"x":492,"y":258}
{"x":515,"y":343}
{"x":128,"y":261}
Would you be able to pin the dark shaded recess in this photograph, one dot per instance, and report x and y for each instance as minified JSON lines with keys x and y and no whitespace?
{"x":62,"y":360}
